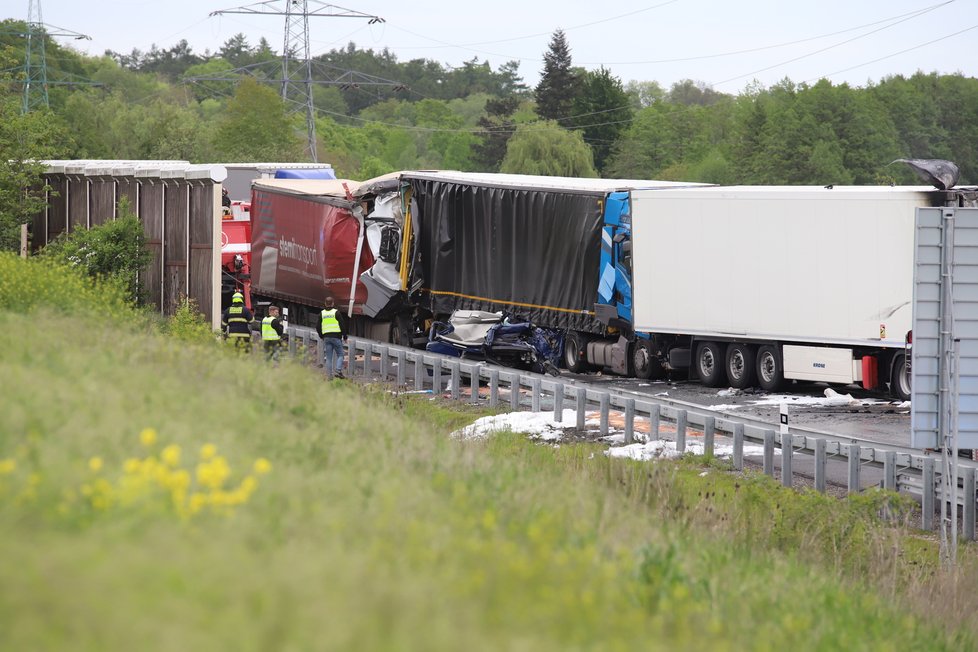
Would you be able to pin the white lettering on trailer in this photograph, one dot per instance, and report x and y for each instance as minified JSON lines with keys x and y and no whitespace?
{"x":295,"y":251}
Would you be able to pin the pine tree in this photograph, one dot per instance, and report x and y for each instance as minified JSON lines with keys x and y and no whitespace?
{"x":602,"y":111}
{"x":496,"y":128}
{"x":559,"y":84}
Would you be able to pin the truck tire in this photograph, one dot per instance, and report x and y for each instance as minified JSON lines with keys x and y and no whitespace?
{"x":709,"y":364}
{"x":740,"y":365}
{"x":900,"y":378}
{"x":770,"y":372}
{"x":401,"y":330}
{"x":575,"y":353}
{"x":644,"y":363}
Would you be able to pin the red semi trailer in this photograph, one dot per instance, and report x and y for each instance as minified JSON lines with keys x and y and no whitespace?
{"x":310,"y":239}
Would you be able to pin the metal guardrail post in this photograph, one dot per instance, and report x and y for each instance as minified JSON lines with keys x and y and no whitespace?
{"x":581,"y":407}
{"x":769,"y":453}
{"x":514,"y":391}
{"x":351,"y":354}
{"x":558,"y":402}
{"x":709,"y":435}
{"x":535,"y":395}
{"x":604,"y":403}
{"x":383,"y":349}
{"x":889,"y":470}
{"x":928,"y":497}
{"x":419,"y":373}
{"x":368,"y":358}
{"x":293,"y":342}
{"x":654,"y":422}
{"x":456,"y":380}
{"x":820,"y":460}
{"x":401,"y":357}
{"x":681,"y":418}
{"x":853,"y":451}
{"x":474,"y":384}
{"x":436,"y":376}
{"x":493,"y":388}
{"x":629,"y":421}
{"x":320,"y":354}
{"x":968,"y":518}
{"x":305,"y":346}
{"x":787,"y":452}
{"x":738,"y":446}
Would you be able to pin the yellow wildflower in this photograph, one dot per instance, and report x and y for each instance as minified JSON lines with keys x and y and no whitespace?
{"x":248,"y":485}
{"x":148,"y":437}
{"x":197,"y":501}
{"x":262,"y":466}
{"x":171,"y":455}
{"x":179,"y":479}
{"x":95,"y":464}
{"x":8,"y":465}
{"x":132,"y":466}
{"x":208,"y":451}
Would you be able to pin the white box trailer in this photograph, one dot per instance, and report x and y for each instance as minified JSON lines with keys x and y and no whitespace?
{"x":765,"y":284}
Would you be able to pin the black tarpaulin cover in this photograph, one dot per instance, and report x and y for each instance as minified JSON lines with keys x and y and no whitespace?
{"x":532,"y":252}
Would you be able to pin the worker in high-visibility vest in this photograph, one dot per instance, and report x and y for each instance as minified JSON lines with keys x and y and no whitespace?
{"x":272,"y":333}
{"x":236,"y":323}
{"x":332,"y":331}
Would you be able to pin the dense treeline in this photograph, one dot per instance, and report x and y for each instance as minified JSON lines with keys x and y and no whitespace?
{"x":376,"y":114}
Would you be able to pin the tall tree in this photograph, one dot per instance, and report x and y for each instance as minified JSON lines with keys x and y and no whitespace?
{"x":644,"y":93}
{"x":548,"y":149}
{"x":25,"y":140}
{"x":497,"y":128}
{"x":256,"y":127}
{"x":602,"y":111}
{"x":236,"y":50}
{"x":559,"y":84}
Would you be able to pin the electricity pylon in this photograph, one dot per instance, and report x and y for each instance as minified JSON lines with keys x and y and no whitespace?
{"x":296,"y":63}
{"x":35,"y":61}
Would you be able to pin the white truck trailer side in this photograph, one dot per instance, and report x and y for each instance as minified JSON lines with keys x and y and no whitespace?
{"x":762,"y":284}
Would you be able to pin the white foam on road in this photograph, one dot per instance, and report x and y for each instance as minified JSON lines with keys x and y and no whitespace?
{"x":543,"y":426}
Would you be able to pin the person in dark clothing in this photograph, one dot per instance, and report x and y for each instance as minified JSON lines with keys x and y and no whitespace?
{"x":272,"y":334}
{"x":236,"y":323}
{"x":226,"y":200}
{"x":332,"y":331}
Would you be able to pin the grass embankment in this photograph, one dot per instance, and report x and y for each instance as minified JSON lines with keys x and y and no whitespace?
{"x":372,"y":530}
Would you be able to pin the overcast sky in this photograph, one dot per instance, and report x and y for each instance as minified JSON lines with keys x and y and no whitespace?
{"x":724,"y":43}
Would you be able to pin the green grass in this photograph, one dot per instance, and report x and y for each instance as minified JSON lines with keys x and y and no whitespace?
{"x":376,"y":531}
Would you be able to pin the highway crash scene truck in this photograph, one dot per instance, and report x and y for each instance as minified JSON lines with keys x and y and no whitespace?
{"x":731,"y":286}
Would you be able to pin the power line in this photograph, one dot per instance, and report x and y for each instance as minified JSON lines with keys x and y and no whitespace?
{"x":717,"y":55}
{"x":910,"y":49}
{"x":903,"y":19}
{"x":468,"y":130}
{"x":911,"y":14}
{"x":445,"y":44}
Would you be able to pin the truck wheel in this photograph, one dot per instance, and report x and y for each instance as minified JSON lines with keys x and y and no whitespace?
{"x":644,"y":362}
{"x":900,"y":378}
{"x":709,"y":364}
{"x":575,"y":353}
{"x":740,"y":365}
{"x":401,"y":331}
{"x":770,"y":374}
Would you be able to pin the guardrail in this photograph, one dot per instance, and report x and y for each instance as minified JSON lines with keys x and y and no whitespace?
{"x":904,"y":470}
